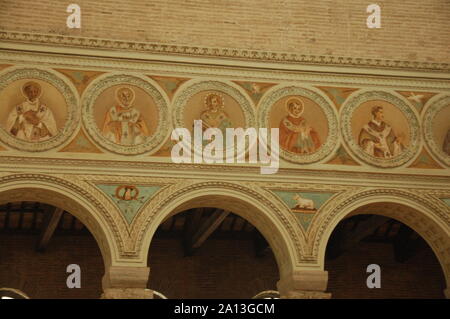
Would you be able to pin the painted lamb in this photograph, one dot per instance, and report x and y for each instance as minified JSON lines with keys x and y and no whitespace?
{"x":303,"y":203}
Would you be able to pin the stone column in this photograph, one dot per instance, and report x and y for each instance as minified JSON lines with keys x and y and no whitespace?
{"x":121,"y":282}
{"x":304,"y":284}
{"x":447,"y":293}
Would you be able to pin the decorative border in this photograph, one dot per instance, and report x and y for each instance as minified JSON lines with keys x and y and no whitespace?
{"x":354,"y":101}
{"x":332,"y":139}
{"x":70,"y":96}
{"x":430,"y":113}
{"x":227,"y":53}
{"x":195,"y":86}
{"x":109,"y":80}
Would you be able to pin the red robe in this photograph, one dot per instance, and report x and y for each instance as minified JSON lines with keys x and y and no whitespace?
{"x":289,"y":138}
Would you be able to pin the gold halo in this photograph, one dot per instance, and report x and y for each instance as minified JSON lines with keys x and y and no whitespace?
{"x":121,"y":88}
{"x":31,"y":83}
{"x":295,"y":99}
{"x":221,"y":97}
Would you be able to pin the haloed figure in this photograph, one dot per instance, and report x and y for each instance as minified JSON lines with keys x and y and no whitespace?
{"x":123,"y":123}
{"x":31,"y":120}
{"x":296,"y":135}
{"x":214,"y":116}
{"x":377,"y":138}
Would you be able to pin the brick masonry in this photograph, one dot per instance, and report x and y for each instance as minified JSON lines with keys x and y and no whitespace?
{"x":411,"y":30}
{"x":220,"y":269}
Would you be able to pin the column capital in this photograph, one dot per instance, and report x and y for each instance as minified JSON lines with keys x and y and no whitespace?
{"x":304,"y":284}
{"x":124,"y":282}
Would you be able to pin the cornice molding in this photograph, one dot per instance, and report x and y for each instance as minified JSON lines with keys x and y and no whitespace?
{"x":223,"y":172}
{"x":60,"y":40}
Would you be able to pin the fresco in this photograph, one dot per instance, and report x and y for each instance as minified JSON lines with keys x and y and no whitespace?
{"x":306,"y":121}
{"x":381,"y":128}
{"x":129,"y":198}
{"x":169,"y":84}
{"x":80,"y":78}
{"x":418,"y":99}
{"x":342,"y":157}
{"x":81,"y":144}
{"x":125,"y":114}
{"x":337,"y":94}
{"x":304,"y":204}
{"x":255,"y":89}
{"x":216,"y":110}
{"x":437,"y":128}
{"x":39,"y":109}
{"x":424,"y":160}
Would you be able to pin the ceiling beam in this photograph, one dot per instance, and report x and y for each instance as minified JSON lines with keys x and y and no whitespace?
{"x":48,"y":228}
{"x":346,"y":240}
{"x":201,"y":230}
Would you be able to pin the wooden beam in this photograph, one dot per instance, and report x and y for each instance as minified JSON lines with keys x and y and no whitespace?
{"x":50,"y":223}
{"x":346,"y":240}
{"x":203,"y":230}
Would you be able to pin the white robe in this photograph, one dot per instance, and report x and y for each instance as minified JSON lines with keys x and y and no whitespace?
{"x":28,"y":131}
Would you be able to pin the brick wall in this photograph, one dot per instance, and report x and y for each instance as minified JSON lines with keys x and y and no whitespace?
{"x":411,"y":29}
{"x":43,"y":275}
{"x":220,"y":269}
{"x":419,"y":277}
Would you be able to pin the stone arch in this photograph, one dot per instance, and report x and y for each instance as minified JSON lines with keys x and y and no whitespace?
{"x":276,"y":225}
{"x":428,"y":219}
{"x":64,"y":195}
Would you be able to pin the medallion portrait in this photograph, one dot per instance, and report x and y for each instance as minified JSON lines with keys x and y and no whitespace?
{"x":306,"y":121}
{"x":39,"y":108}
{"x":127,"y":116}
{"x":381,"y":128}
{"x":437,"y":128}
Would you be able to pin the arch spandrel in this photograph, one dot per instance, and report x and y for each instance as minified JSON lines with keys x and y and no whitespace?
{"x":429,"y":219}
{"x":68,"y":196}
{"x":260,"y":208}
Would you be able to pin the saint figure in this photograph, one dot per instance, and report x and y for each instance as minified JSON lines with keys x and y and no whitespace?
{"x":377,"y":138}
{"x":214,"y":116}
{"x":296,"y":135}
{"x":31,"y":120}
{"x":123,"y":123}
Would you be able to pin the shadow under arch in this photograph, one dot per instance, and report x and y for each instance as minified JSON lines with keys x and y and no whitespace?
{"x":64,"y":195}
{"x":279,"y":231}
{"x":405,"y":207}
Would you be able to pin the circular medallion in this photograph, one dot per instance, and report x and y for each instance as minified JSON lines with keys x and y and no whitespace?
{"x":212,"y":105}
{"x":125,"y":114}
{"x":436,"y":125}
{"x":40,"y":109}
{"x":306,"y":121}
{"x":380,"y":128}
